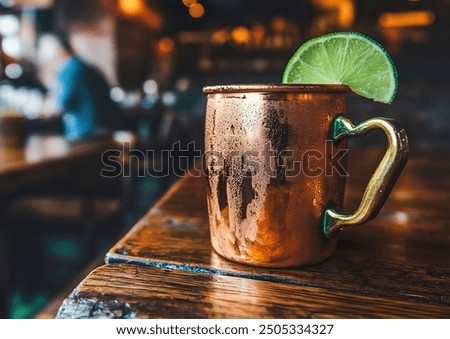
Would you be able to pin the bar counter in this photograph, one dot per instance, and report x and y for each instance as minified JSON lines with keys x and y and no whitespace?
{"x":396,"y":266}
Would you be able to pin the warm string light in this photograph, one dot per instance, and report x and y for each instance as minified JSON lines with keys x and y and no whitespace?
{"x":189,"y":3}
{"x":131,"y":7}
{"x":341,"y":12}
{"x":166,"y":45}
{"x":196,"y":9}
{"x":278,"y":24}
{"x":140,"y":11}
{"x":406,"y":19}
{"x":240,"y":35}
{"x":220,"y":37}
{"x":277,"y":36}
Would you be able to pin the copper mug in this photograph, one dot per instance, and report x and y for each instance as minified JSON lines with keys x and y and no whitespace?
{"x":274,"y":192}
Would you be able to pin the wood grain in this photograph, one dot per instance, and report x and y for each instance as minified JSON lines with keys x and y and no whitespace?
{"x":135,"y":291}
{"x":403,"y":254}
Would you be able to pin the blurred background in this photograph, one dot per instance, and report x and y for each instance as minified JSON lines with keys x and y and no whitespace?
{"x":157,"y":54}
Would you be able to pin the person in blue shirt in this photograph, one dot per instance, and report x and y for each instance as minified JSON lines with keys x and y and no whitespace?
{"x":84,"y":97}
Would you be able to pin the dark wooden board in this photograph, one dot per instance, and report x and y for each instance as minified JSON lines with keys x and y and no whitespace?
{"x":136,"y":291}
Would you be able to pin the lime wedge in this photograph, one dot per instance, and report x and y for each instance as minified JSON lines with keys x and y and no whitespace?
{"x":348,"y":58}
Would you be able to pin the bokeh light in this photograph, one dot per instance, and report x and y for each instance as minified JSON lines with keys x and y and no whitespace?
{"x":406,"y":19}
{"x":13,"y":71}
{"x":196,"y":11}
{"x":240,"y":35}
{"x":9,"y":25}
{"x":131,"y":7}
{"x":220,"y":36}
{"x":169,"y":99}
{"x":189,"y":3}
{"x":12,"y":47}
{"x":278,"y":24}
{"x":166,"y":45}
{"x":117,"y":94}
{"x":150,"y":87}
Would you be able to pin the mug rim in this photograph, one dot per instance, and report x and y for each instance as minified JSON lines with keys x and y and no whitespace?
{"x":283,"y":88}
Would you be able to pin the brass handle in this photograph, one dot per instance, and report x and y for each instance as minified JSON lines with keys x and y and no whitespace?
{"x":382,"y":180}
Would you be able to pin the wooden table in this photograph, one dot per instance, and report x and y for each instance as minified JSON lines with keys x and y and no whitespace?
{"x":47,"y":158}
{"x":397,"y":266}
{"x":42,"y":159}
